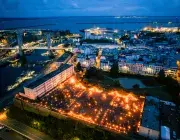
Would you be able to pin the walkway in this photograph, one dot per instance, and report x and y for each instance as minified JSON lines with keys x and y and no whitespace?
{"x":24,"y":130}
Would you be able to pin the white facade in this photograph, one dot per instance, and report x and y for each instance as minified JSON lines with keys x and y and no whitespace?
{"x":38,"y":91}
{"x":105,"y":66}
{"x":149,"y":133}
{"x":99,"y":33}
{"x":86,"y":62}
{"x":165,"y":133}
{"x":142,"y":69}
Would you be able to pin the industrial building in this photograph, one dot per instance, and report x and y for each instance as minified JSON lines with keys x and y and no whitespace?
{"x":150,"y":126}
{"x":67,"y":57}
{"x":43,"y":85}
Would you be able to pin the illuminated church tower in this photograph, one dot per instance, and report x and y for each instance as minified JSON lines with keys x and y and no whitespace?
{"x":178,"y":71}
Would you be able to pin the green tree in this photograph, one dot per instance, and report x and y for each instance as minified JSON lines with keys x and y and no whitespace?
{"x":125,"y":37}
{"x":78,"y":66}
{"x":75,"y":138}
{"x":92,"y":72}
{"x":114,"y":70}
{"x":116,"y":83}
{"x":52,"y":132}
{"x":60,"y":133}
{"x":67,"y":136}
{"x":161,"y":75}
{"x":51,"y":55}
{"x":136,"y":86}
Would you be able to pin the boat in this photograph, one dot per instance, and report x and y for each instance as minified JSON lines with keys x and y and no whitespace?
{"x":117,"y":17}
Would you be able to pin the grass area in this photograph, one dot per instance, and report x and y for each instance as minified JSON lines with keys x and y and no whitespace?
{"x":146,"y":80}
{"x":154,"y":88}
{"x":150,"y":82}
{"x":159,"y":92}
{"x":64,"y":129}
{"x":106,"y":82}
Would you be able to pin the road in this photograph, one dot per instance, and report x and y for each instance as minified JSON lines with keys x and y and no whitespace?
{"x":11,"y":135}
{"x":24,"y":130}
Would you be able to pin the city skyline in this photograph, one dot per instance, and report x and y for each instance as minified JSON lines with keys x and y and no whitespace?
{"x":89,"y":70}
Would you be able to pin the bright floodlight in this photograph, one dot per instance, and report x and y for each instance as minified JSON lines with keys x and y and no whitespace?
{"x":72,"y":81}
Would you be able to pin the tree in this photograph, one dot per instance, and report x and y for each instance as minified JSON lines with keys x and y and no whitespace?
{"x":67,"y":136}
{"x":140,"y":59}
{"x":66,"y":45}
{"x":90,"y":72}
{"x":172,"y":86}
{"x":116,"y":83}
{"x":125,"y":37}
{"x":23,"y":60}
{"x":136,"y":86}
{"x":93,"y":72}
{"x":59,"y":133}
{"x":78,"y":66}
{"x":114,"y":70}
{"x":161,"y":76}
{"x":51,"y":55}
{"x":75,"y":138}
{"x":52,"y":132}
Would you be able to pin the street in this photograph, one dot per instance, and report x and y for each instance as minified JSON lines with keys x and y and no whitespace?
{"x":10,"y":135}
{"x":24,"y":130}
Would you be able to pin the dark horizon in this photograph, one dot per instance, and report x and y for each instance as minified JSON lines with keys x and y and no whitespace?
{"x":85,"y":16}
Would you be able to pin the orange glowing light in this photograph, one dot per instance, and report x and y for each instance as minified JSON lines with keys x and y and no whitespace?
{"x":104,"y":112}
{"x":72,"y":80}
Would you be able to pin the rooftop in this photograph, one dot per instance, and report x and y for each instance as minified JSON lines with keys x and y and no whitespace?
{"x":64,"y":57}
{"x":48,"y":76}
{"x":150,"y":117}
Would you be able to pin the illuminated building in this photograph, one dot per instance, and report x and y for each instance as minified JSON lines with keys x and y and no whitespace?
{"x":86,"y":61}
{"x":143,"y":69}
{"x":105,"y":65}
{"x":48,"y":82}
{"x":171,"y":72}
{"x":162,"y":29}
{"x":99,"y":33}
{"x":178,"y":71}
{"x":67,"y":57}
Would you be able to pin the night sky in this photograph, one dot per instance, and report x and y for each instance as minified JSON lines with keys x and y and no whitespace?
{"x":48,"y":8}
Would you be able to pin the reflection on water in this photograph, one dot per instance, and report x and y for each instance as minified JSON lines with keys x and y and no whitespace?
{"x":74,"y":24}
{"x":9,"y":75}
{"x":128,"y":83}
{"x":37,"y":56}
